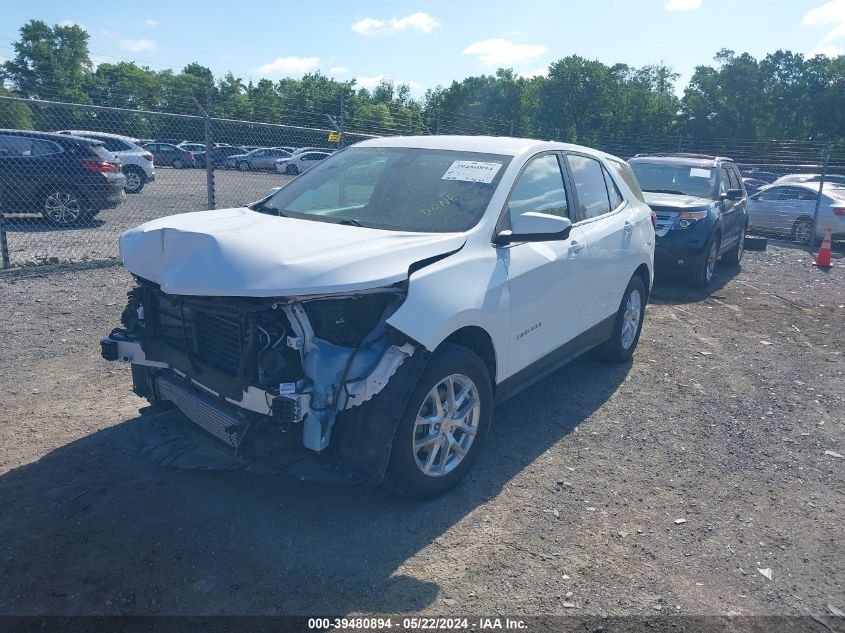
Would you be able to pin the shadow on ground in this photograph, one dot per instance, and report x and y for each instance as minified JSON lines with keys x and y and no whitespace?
{"x":92,"y":527}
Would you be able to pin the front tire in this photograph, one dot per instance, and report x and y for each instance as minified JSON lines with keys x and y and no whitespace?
{"x":703,"y":275}
{"x":178,"y":164}
{"x":291,"y":170}
{"x":243,"y":166}
{"x":628,"y":325}
{"x":444,"y":425}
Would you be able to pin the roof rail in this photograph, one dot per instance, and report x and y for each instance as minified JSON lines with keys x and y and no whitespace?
{"x":684,"y":155}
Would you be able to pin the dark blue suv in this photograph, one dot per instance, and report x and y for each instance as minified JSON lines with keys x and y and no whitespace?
{"x":67,"y":179}
{"x":702,"y":211}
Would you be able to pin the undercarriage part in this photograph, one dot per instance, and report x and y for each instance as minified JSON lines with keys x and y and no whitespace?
{"x":201,"y":410}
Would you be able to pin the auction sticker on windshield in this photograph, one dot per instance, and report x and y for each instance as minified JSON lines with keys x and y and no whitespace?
{"x":472,"y":171}
{"x":697,"y":172}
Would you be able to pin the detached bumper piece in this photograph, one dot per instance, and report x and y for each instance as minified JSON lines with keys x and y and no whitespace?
{"x":201,"y":410}
{"x":108,"y":349}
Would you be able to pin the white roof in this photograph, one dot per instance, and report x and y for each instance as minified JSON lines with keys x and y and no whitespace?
{"x":88,"y":133}
{"x":486,"y":144}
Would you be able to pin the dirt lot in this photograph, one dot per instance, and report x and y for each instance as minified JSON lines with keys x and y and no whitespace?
{"x":722,"y":420}
{"x":33,"y":240}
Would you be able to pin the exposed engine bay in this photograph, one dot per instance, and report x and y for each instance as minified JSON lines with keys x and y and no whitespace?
{"x":254,"y":371}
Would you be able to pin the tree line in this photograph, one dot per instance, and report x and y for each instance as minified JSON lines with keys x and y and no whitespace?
{"x":783,"y":95}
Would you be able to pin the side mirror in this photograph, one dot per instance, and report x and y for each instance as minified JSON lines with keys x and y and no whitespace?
{"x":536,"y":227}
{"x":733,"y":194}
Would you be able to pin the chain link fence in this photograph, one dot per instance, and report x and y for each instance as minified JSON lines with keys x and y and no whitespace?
{"x":64,"y":200}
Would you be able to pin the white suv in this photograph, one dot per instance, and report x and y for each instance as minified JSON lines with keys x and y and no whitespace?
{"x":136,"y":161}
{"x":371,"y":313}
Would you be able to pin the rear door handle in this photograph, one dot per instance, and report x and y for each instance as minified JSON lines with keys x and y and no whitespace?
{"x":575,"y":247}
{"x":629,"y":226}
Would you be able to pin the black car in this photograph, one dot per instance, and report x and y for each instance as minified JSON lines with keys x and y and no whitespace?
{"x":65,"y":178}
{"x":218,"y":155}
{"x":702,"y":211}
{"x":170,"y":155}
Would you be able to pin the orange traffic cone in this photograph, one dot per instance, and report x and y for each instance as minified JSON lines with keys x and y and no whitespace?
{"x":823,"y":258}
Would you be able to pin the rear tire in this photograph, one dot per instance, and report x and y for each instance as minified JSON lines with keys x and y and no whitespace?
{"x":628,"y":325}
{"x":243,"y":166}
{"x":178,"y":164}
{"x":291,"y":170}
{"x":62,"y":206}
{"x":441,"y":432}
{"x":134,"y":179}
{"x":703,"y":275}
{"x":802,"y":231}
{"x":734,"y":256}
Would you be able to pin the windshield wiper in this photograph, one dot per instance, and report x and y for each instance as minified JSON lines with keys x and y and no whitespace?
{"x":349,"y":222}
{"x":672,"y":191}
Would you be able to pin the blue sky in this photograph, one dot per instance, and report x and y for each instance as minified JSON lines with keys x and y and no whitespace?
{"x":426,"y":43}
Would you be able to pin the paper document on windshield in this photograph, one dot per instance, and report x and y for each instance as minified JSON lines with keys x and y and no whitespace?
{"x":697,"y":172}
{"x":472,"y":171}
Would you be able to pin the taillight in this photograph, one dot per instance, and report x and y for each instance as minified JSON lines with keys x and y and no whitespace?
{"x":840,"y":211}
{"x":191,"y":155}
{"x":654,"y":220}
{"x":100,"y":166}
{"x":148,"y":157}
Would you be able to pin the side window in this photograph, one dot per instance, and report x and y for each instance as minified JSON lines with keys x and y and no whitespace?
{"x":806,"y":194}
{"x":113,"y":144}
{"x":539,"y":188}
{"x":41,"y":147}
{"x":624,"y":171}
{"x":612,"y":191}
{"x":588,"y":177}
{"x":736,"y":179}
{"x":790,"y":193}
{"x":769,"y":194}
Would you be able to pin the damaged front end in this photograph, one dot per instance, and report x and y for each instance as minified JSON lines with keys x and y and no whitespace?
{"x":276,"y":375}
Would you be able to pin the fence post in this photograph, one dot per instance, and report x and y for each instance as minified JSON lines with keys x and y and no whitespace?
{"x":340,"y":142}
{"x":680,"y":142}
{"x":4,"y":245}
{"x":437,"y":123}
{"x":821,"y":186}
{"x":209,"y":147}
{"x":511,"y":134}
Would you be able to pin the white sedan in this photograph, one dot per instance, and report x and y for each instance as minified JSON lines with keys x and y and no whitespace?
{"x":299,"y":163}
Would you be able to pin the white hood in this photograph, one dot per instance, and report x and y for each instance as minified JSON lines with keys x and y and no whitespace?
{"x":240,"y":252}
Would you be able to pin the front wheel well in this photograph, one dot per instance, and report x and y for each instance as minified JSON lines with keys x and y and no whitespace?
{"x":477,"y":340}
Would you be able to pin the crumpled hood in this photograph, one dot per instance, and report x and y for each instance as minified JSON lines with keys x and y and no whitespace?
{"x":240,"y":252}
{"x":670,"y":201}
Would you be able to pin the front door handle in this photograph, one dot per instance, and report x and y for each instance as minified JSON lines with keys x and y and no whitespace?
{"x":575,"y":247}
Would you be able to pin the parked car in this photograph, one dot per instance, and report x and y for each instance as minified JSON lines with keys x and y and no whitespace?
{"x":302,"y":150}
{"x":758,"y":174}
{"x":796,"y":178}
{"x":137,"y":162}
{"x":167,"y":154}
{"x":299,"y":163}
{"x":67,"y":179}
{"x":789,"y":210}
{"x":257,"y":159}
{"x":752,"y":185}
{"x":701,"y":208}
{"x":193,"y":148}
{"x":374,"y":310}
{"x":218,"y":155}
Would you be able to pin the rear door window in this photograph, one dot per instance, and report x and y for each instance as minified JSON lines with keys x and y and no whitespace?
{"x":588,"y":178}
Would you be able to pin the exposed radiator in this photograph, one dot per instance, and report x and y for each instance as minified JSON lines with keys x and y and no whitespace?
{"x":199,"y":409}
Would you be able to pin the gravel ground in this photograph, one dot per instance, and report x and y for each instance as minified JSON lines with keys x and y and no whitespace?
{"x":33,"y":240}
{"x":660,"y":486}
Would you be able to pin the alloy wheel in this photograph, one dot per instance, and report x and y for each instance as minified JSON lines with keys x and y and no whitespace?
{"x":446,"y":425}
{"x":712,"y":256}
{"x":133,"y":181}
{"x":62,"y":207}
{"x":631,"y":318}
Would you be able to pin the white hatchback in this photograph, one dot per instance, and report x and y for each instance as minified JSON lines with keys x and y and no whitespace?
{"x":374,"y":310}
{"x":299,"y":163}
{"x":137,"y":162}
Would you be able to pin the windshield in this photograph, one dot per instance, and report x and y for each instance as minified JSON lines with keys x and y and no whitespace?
{"x":400,"y":189}
{"x":677,"y":179}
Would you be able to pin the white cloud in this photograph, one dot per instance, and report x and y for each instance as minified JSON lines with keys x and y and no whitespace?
{"x":828,"y":50}
{"x":338,"y":70}
{"x":832,"y":12}
{"x":106,"y":33}
{"x":151,"y":23}
{"x":96,"y":60}
{"x":137,"y":46}
{"x":71,"y":23}
{"x":422,"y":22}
{"x":683,"y":5}
{"x":284,"y":66}
{"x":530,"y":74}
{"x":369,"y":82}
{"x":500,"y":52}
